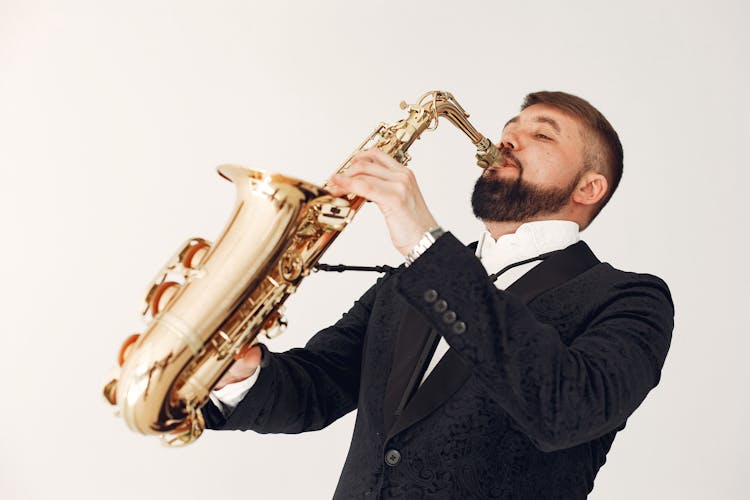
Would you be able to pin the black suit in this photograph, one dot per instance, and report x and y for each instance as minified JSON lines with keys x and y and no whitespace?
{"x":524,"y":405}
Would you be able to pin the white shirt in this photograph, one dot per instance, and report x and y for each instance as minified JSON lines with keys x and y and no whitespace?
{"x":529,"y":240}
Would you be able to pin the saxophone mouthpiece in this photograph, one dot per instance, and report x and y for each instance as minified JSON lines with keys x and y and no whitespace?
{"x":488,"y":154}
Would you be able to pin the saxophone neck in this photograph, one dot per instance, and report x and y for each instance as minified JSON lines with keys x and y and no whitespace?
{"x":445,"y":105}
{"x":395,"y":140}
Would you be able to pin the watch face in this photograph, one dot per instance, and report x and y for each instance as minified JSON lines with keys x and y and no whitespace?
{"x":436,"y":232}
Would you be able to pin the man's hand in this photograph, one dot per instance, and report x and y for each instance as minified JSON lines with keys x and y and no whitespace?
{"x":393,"y":188}
{"x":245,"y":364}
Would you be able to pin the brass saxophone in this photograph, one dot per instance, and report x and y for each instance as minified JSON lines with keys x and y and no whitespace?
{"x":211,"y":300}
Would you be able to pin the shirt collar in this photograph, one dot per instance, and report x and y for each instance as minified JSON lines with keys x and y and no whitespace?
{"x":529,"y":240}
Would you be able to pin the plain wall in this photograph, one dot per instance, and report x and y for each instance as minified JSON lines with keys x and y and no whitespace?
{"x":113,"y":116}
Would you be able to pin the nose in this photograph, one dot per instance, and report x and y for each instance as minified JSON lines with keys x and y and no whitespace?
{"x":508,"y":141}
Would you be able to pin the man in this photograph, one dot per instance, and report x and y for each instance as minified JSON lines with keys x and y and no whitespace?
{"x":511,"y":386}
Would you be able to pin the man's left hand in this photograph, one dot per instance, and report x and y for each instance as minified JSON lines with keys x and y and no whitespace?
{"x":379,"y":178}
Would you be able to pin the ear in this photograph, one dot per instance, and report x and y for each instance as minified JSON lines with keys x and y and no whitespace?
{"x":591,"y":188}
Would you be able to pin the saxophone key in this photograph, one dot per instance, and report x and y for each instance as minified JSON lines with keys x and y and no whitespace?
{"x":275,"y":324}
{"x":194,"y":253}
{"x":160,"y":296}
{"x":335,"y":214}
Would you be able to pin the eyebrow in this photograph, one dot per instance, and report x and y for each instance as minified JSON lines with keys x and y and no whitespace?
{"x":538,"y":119}
{"x":549,"y":121}
{"x":512,"y":120}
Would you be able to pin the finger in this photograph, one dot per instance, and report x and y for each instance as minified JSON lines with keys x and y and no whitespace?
{"x":375,"y":162}
{"x":339,"y":184}
{"x":249,"y":357}
{"x":382,"y":192}
{"x":372,"y":163}
{"x":333,"y":187}
{"x":376,"y":170}
{"x":375,"y":155}
{"x":359,"y":164}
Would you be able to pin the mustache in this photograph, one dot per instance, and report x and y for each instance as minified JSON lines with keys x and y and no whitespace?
{"x":507,"y":156}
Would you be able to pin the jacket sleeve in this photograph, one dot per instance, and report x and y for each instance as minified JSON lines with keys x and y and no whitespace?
{"x":559,"y":395}
{"x":305,"y":389}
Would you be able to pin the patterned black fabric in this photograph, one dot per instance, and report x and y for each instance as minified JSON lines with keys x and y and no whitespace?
{"x":533,"y":394}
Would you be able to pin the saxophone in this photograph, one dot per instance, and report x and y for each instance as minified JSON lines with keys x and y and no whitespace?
{"x":210,"y":301}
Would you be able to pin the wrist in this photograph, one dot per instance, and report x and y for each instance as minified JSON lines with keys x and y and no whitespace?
{"x":425,"y":242}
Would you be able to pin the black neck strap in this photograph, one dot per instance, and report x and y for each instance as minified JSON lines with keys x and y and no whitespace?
{"x":494,"y":277}
{"x":340,"y":268}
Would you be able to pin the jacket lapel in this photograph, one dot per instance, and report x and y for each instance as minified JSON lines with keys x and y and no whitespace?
{"x":553,"y":271}
{"x":452,"y":372}
{"x":448,"y":376}
{"x":410,"y":342}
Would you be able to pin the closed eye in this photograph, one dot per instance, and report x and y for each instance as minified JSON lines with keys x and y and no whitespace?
{"x":542,"y":136}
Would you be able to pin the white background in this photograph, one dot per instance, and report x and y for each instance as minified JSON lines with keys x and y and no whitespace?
{"x":113,"y":116}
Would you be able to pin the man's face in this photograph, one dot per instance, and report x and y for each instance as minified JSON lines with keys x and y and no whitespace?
{"x":543,"y":149}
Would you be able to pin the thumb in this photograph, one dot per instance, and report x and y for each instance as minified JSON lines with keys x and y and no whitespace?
{"x":249,"y":357}
{"x":245,"y":363}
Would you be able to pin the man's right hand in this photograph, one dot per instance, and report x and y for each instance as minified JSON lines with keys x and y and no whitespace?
{"x":245,"y":364}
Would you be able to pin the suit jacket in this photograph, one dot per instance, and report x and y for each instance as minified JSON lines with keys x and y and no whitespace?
{"x":526,"y":403}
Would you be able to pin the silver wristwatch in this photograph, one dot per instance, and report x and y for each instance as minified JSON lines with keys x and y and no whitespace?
{"x":424,"y":243}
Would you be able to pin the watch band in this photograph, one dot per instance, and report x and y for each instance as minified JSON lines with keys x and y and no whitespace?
{"x":428,"y":238}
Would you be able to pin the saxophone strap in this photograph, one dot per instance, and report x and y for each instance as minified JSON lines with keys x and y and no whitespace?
{"x":340,"y":268}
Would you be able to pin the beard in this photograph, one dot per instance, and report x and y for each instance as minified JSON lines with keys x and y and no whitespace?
{"x":516,"y":200}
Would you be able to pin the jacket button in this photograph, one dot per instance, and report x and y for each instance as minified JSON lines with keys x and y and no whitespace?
{"x":449,"y":317}
{"x":459,"y":327}
{"x":392,"y":457}
{"x":430,"y":296}
{"x":440,"y":306}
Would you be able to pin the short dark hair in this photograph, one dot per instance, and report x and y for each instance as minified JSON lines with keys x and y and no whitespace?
{"x":603,"y":150}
